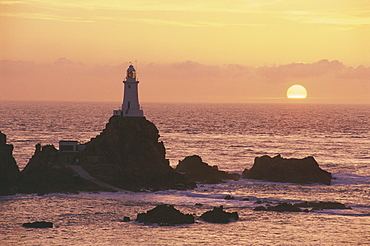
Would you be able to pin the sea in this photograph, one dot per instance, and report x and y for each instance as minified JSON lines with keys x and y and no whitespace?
{"x":227,"y":135}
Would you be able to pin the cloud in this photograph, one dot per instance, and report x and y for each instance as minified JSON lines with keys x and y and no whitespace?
{"x":215,"y":14}
{"x":147,"y":5}
{"x":187,"y":81}
{"x":350,"y":17}
{"x":322,"y":68}
{"x":43,"y":16}
{"x":282,"y":73}
{"x":11,"y":2}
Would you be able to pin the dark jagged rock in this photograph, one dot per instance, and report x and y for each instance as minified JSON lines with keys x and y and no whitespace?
{"x":38,"y":224}
{"x":321,"y":205}
{"x":229,"y":197}
{"x":44,"y":174}
{"x":165,"y":215}
{"x":218,"y":215}
{"x":260,"y":208}
{"x":9,"y":171}
{"x":196,"y":170}
{"x":127,"y":154}
{"x":126,"y":219}
{"x":278,"y":169}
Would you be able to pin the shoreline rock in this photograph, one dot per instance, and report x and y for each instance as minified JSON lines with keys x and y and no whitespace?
{"x":9,"y":171}
{"x":198,"y":171}
{"x":278,"y":169}
{"x":322,"y":205}
{"x":128,"y":155}
{"x":45,"y":174}
{"x":165,"y":215}
{"x":38,"y":224}
{"x":218,"y":215}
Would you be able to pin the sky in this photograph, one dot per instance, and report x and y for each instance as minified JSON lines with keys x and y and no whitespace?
{"x":235,"y":51}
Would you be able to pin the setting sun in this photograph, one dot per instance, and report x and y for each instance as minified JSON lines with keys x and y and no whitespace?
{"x":296,"y":92}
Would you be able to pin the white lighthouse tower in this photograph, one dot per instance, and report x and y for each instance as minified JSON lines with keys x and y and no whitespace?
{"x":130,"y":105}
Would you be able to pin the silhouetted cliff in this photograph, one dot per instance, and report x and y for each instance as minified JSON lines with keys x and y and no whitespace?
{"x":127,"y":154}
{"x":45,"y":173}
{"x":9,"y":171}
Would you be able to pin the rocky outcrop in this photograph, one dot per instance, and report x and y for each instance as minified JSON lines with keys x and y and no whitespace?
{"x":321,"y":205}
{"x":218,"y":215}
{"x":44,"y":173}
{"x":126,"y":219}
{"x":278,"y":169}
{"x":38,"y":224}
{"x":127,"y":154}
{"x":9,"y":171}
{"x":296,"y":207}
{"x":165,"y":215}
{"x":198,"y":171}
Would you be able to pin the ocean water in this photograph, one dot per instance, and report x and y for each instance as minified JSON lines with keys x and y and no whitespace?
{"x":227,"y":135}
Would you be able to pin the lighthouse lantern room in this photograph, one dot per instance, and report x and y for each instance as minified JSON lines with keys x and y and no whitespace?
{"x":130,"y":105}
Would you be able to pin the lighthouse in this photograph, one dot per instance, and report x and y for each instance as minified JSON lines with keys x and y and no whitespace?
{"x":130,"y":105}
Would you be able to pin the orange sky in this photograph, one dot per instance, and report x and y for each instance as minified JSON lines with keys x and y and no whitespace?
{"x":187,"y":51}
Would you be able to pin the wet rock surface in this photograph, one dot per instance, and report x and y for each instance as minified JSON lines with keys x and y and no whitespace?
{"x":198,"y":171}
{"x":278,"y":169}
{"x":165,"y":215}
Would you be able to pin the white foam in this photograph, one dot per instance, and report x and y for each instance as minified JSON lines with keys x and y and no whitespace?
{"x":350,"y":179}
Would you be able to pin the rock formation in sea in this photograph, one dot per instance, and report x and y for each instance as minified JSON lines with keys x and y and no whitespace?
{"x":296,"y":207}
{"x":9,"y":171}
{"x":322,"y":205}
{"x":38,"y":224}
{"x":198,"y":171}
{"x":45,"y":173}
{"x":218,"y":215}
{"x":165,"y":215}
{"x":278,"y":169}
{"x":127,"y":154}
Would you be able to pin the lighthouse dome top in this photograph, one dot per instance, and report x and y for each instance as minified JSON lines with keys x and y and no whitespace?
{"x":131,"y":68}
